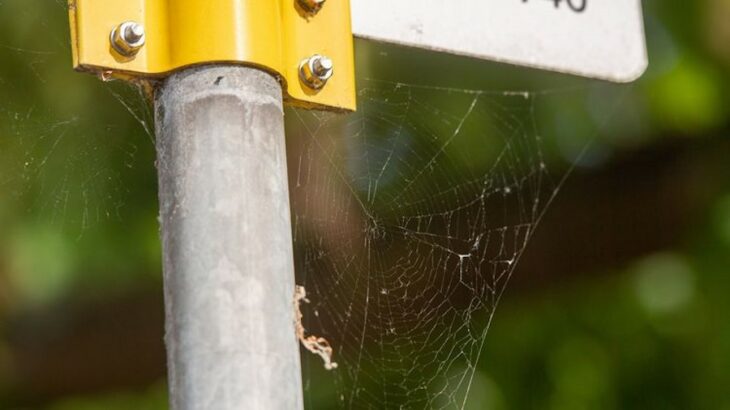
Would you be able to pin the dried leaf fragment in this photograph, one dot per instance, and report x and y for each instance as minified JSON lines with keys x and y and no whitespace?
{"x":317,"y":345}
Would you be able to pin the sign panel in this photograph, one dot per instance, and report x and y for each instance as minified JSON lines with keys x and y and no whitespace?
{"x":593,"y":38}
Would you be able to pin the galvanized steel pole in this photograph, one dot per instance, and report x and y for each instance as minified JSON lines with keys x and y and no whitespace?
{"x":226,"y":237}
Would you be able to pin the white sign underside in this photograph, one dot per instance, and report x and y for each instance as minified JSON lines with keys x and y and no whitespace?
{"x":593,"y":38}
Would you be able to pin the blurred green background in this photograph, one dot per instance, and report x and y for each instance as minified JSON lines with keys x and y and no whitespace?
{"x":619,"y":302}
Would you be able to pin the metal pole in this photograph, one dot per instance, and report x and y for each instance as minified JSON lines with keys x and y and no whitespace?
{"x":226,"y":238}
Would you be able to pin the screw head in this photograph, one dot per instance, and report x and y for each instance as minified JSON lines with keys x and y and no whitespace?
{"x":311,"y":6}
{"x":316,"y":70}
{"x":128,"y":38}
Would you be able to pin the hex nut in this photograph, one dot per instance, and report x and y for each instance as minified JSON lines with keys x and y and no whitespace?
{"x":316,"y":70}
{"x":128,"y":38}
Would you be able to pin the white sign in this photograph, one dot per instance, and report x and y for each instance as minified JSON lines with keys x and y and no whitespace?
{"x":593,"y":38}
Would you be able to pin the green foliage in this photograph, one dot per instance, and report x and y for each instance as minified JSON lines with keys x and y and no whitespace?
{"x":78,"y":215}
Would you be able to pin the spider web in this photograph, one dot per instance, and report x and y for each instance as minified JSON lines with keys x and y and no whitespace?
{"x":409,"y":218}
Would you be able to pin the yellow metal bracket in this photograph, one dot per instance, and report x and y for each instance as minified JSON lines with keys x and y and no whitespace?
{"x":275,"y":35}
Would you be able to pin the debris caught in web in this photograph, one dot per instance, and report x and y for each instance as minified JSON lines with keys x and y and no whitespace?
{"x":317,"y":345}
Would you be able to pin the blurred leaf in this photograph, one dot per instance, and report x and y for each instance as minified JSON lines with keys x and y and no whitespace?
{"x":688,"y":98}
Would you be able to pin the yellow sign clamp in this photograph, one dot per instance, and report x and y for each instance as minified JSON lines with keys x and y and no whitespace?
{"x":307,"y":44}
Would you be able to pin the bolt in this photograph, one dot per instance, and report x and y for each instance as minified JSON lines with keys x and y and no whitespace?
{"x":323,"y":67}
{"x":316,"y":70}
{"x":312,"y":6}
{"x":134,"y":33}
{"x":128,"y":38}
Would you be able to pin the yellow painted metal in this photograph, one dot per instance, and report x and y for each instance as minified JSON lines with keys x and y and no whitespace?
{"x":275,"y":35}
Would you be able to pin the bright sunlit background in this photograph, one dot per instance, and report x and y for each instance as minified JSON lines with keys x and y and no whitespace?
{"x":620,"y":300}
